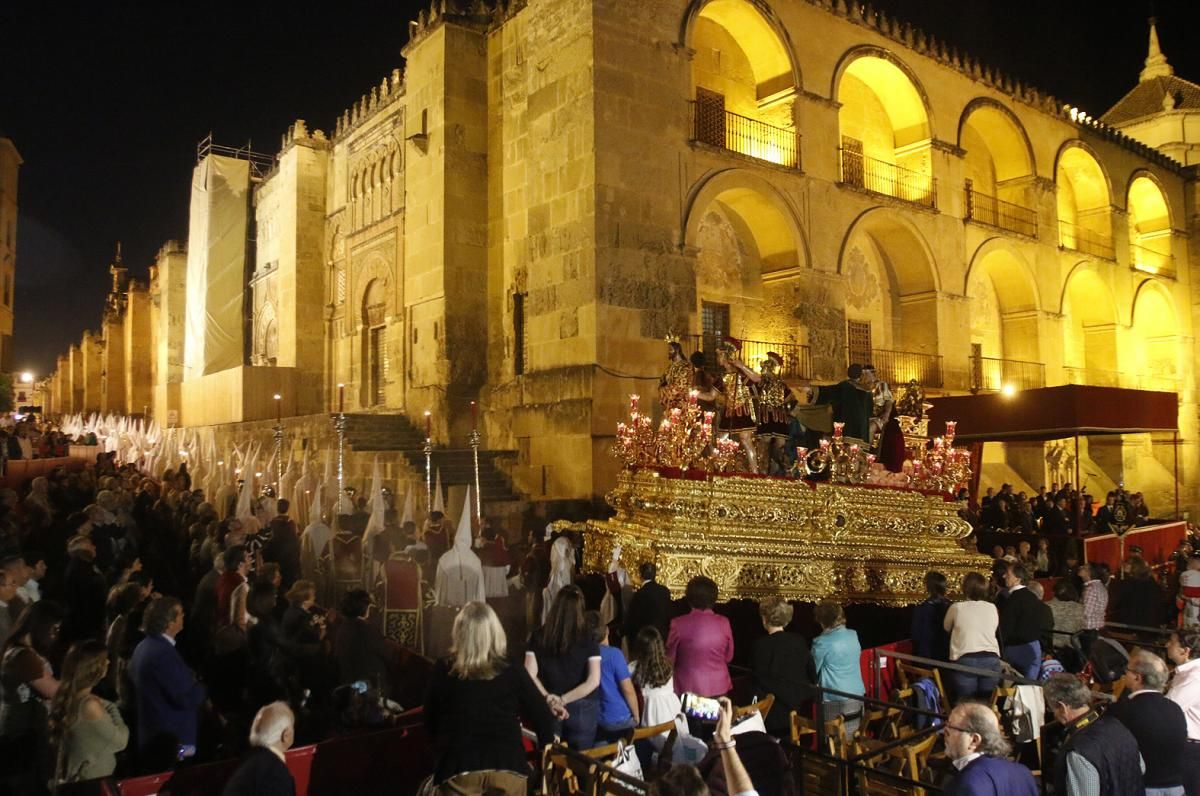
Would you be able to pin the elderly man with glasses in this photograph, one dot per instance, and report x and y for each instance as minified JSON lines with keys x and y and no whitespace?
{"x":1157,"y":723}
{"x":979,"y":751}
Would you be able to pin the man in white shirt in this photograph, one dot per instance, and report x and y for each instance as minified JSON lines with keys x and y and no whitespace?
{"x":1189,"y":591}
{"x":1183,"y":650}
{"x":35,"y":565}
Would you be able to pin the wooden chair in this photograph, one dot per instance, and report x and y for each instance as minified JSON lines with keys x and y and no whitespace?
{"x":820,"y":775}
{"x":909,"y":761}
{"x":909,"y":673}
{"x":642,"y":733}
{"x":567,"y":774}
{"x":763,"y":706}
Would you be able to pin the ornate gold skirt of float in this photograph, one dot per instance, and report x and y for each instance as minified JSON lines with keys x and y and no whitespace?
{"x":865,"y":536}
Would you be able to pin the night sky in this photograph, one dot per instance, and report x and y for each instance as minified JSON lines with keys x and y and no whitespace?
{"x":106,"y":103}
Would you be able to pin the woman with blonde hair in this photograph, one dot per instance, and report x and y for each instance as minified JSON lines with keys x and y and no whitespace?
{"x":86,"y":731}
{"x":474,"y":708}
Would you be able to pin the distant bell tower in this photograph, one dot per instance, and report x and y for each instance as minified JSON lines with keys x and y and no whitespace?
{"x":120,"y":283}
{"x":1163,"y":109}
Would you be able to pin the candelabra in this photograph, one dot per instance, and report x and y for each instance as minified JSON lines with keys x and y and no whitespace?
{"x":846,"y":463}
{"x":942,"y":467}
{"x":279,"y":460}
{"x":428,"y":474}
{"x":682,"y":440}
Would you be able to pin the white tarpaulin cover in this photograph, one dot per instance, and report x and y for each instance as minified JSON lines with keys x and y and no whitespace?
{"x":216,"y":264}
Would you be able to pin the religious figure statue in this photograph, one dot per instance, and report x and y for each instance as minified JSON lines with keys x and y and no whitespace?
{"x":775,"y":402}
{"x":736,"y":389}
{"x":852,"y":402}
{"x":676,"y":381}
{"x":886,"y":436}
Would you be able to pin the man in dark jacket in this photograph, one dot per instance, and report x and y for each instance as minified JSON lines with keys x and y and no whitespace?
{"x":1020,"y":623}
{"x":283,"y":548}
{"x":264,"y":770}
{"x":1156,"y":722}
{"x":361,"y":651}
{"x":1098,"y":756}
{"x":650,"y":605}
{"x":167,"y":693}
{"x":86,"y":593}
{"x":978,"y":750}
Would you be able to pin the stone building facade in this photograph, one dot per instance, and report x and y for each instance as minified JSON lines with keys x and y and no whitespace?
{"x":551,"y":186}
{"x":10,"y":167}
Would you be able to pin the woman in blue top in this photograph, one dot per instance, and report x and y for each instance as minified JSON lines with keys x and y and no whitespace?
{"x":835,"y":655}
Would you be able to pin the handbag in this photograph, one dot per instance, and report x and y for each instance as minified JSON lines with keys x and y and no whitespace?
{"x":627,"y":761}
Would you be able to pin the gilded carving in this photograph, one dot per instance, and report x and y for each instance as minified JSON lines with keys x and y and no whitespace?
{"x":760,"y":536}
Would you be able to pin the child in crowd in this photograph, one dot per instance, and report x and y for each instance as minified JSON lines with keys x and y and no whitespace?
{"x":618,"y":701}
{"x":654,"y":677}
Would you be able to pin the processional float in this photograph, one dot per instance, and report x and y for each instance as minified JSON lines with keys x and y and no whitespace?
{"x":840,"y":527}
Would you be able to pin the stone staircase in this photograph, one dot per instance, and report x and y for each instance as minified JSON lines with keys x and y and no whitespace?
{"x":395,"y":433}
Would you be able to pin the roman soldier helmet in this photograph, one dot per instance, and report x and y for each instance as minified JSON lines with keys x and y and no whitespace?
{"x":730,"y":345}
{"x":774,"y":358}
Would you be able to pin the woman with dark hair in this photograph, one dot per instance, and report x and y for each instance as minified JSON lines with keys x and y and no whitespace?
{"x":972,"y":624}
{"x":86,"y":731}
{"x":700,"y":643}
{"x":27,"y":684}
{"x":1067,"y":612}
{"x":27,"y":681}
{"x":930,"y":639}
{"x":653,"y":674}
{"x":564,"y":663}
{"x":361,"y":651}
{"x":780,"y":662}
{"x":474,"y":709}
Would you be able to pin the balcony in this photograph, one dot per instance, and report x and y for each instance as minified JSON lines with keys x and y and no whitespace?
{"x":1088,"y":241}
{"x":901,"y":367}
{"x":992,"y":374}
{"x":797,"y":362}
{"x":1113,"y":378}
{"x":1150,"y":261}
{"x":736,"y":133}
{"x":886,"y":179}
{"x":984,"y":209}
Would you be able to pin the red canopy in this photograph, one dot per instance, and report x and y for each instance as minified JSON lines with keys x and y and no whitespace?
{"x":1055,"y":413}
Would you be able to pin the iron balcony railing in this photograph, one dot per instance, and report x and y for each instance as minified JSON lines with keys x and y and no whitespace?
{"x":901,"y":367}
{"x":746,"y":136}
{"x":993,"y":374}
{"x":797,"y":363}
{"x":995,"y":212}
{"x":887,"y":179}
{"x":1088,"y":241}
{"x":1151,"y":261}
{"x":1096,"y":377}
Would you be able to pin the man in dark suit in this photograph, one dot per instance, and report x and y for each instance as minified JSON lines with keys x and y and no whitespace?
{"x":650,"y":605}
{"x":361,"y":651}
{"x":167,"y":693}
{"x":264,"y":770}
{"x":977,"y":748}
{"x":1157,"y":723}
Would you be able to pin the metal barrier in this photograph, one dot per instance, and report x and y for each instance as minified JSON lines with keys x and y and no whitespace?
{"x":887,"y":179}
{"x":746,"y":136}
{"x":999,"y":213}
{"x":1088,"y":241}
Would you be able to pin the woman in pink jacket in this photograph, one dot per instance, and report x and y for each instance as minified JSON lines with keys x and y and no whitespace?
{"x":700,"y":643}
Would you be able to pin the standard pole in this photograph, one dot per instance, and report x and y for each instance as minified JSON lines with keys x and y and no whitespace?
{"x":478,"y":499}
{"x":1175,"y":468}
{"x":339,"y":425}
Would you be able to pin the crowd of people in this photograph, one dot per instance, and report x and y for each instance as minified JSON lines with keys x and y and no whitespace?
{"x":146,"y":626}
{"x":1056,"y":511}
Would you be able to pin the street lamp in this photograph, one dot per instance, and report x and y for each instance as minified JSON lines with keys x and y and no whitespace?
{"x":27,"y":378}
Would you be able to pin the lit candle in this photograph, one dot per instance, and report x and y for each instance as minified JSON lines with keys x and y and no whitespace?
{"x":853,"y":450}
{"x":693,"y":396}
{"x":937,"y":443}
{"x":837,"y":430}
{"x":802,"y":454}
{"x":278,"y":408}
{"x":951,"y":428}
{"x":474,"y":416}
{"x":676,"y":413}
{"x":825,"y":444}
{"x":341,"y":398}
{"x":708,"y":418}
{"x":428,"y":424}
{"x":870,"y":459}
{"x":633,"y":404}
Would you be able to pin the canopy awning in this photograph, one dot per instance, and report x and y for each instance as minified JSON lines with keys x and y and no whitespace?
{"x":1054,"y":413}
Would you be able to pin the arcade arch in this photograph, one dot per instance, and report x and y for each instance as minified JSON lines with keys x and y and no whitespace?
{"x":1156,"y":346}
{"x":1091,"y":345}
{"x":1000,"y":166}
{"x":744,"y":77}
{"x":742,"y":230}
{"x":884,"y":128}
{"x":1005,"y":345}
{"x":891,"y":288}
{"x":1084,"y":202}
{"x":1149,"y":227}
